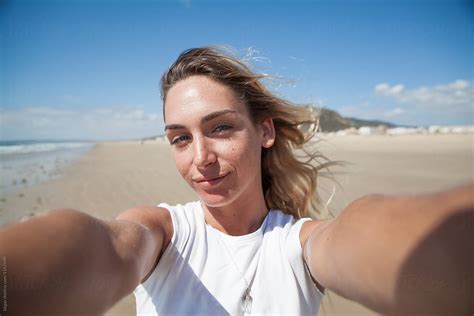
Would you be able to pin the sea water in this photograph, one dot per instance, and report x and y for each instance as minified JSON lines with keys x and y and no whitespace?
{"x":28,"y":162}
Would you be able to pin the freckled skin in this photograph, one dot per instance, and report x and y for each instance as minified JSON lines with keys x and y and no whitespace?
{"x":204,"y":151}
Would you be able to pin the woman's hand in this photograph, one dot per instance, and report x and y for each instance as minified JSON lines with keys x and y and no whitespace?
{"x":399,"y":255}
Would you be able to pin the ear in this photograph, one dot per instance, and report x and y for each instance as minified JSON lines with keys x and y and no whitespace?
{"x":268,"y":133}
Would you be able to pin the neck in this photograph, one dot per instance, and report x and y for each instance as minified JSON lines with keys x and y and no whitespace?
{"x":238,"y":218}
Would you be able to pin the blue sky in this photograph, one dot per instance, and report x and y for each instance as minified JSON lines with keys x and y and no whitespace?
{"x":91,"y":69}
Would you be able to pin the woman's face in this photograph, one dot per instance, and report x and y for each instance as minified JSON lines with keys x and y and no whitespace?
{"x":215,"y":145}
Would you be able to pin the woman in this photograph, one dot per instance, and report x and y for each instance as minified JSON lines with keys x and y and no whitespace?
{"x":246,"y":247}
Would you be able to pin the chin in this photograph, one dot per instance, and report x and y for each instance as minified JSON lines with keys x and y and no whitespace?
{"x":214,"y":200}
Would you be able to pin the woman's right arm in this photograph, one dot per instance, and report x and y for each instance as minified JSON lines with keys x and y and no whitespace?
{"x":70,"y":263}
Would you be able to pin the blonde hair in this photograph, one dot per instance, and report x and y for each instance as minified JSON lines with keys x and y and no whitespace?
{"x":289,"y":181}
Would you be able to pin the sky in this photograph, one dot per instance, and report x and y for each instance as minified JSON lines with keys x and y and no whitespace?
{"x":84,"y":69}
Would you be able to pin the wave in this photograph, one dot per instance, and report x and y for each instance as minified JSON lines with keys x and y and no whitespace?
{"x":26,"y":147}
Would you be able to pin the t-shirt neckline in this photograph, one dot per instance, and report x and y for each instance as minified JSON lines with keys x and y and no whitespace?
{"x":231,"y":238}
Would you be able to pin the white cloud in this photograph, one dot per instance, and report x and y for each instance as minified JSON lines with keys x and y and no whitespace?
{"x":372,"y":112}
{"x":394,"y":112}
{"x":386,"y":89}
{"x":98,"y":123}
{"x":455,"y":96}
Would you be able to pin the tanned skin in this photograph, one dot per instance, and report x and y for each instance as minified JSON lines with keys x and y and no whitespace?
{"x":399,"y":255}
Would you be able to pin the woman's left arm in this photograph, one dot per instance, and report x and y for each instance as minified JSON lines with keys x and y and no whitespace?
{"x":400,"y":255}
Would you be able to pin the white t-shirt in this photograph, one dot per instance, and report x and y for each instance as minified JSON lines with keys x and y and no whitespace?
{"x":206,"y":272}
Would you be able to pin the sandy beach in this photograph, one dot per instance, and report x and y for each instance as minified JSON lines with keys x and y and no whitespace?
{"x":117,"y":175}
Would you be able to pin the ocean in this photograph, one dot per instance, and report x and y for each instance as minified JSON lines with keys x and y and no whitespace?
{"x":29,"y":162}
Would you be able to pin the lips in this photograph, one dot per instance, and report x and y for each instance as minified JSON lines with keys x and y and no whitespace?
{"x":209,"y":181}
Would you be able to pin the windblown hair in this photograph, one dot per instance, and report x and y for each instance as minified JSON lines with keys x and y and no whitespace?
{"x":289,"y":181}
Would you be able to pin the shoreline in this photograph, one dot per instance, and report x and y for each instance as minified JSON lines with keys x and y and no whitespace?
{"x":26,"y":165}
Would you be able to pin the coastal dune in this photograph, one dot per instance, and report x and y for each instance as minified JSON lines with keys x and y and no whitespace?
{"x":115,"y":176}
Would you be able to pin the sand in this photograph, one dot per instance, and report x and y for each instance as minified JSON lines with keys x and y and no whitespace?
{"x":117,"y":175}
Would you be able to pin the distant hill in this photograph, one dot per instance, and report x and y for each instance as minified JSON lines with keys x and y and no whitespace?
{"x":331,"y":121}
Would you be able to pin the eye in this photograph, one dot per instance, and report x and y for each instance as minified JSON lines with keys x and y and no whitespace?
{"x":222,"y":128}
{"x":179,"y":139}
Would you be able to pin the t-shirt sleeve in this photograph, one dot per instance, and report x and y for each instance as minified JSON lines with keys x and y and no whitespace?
{"x":181,"y":231}
{"x":182,"y":225}
{"x":295,"y":254}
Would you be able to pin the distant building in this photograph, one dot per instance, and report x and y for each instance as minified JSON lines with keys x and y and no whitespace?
{"x":405,"y":131}
{"x":372,"y":130}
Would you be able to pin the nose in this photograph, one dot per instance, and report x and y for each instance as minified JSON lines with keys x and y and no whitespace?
{"x":204,"y":155}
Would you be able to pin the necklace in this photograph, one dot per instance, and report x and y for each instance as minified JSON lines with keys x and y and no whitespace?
{"x":247,"y":298}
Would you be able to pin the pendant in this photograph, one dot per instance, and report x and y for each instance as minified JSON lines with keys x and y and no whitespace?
{"x":247,"y":302}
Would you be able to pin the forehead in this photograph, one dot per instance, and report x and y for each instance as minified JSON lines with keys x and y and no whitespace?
{"x":197,"y":96}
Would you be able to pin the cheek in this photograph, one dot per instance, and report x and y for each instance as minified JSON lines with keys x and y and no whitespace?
{"x":245,"y":153}
{"x":181,"y":161}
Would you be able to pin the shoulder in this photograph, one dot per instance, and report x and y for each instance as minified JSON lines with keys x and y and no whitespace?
{"x":156,"y":219}
{"x":302,"y":226}
{"x":307,"y":228}
{"x":172,"y":220}
{"x":299,"y":226}
{"x":278,"y":218}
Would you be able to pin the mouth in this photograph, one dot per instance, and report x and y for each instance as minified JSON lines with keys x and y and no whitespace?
{"x":209,"y":181}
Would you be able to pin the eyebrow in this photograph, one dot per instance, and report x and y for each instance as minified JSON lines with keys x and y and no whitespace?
{"x":207,"y":118}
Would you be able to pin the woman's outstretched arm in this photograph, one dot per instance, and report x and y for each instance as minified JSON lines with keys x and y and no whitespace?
{"x":400,"y":255}
{"x":70,"y":263}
